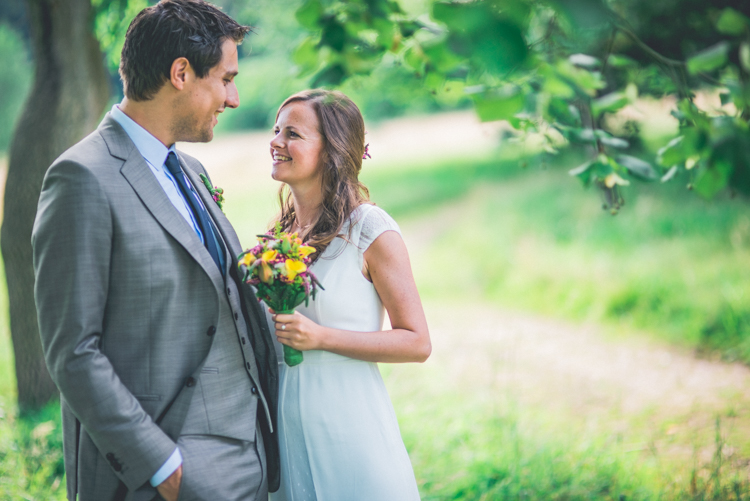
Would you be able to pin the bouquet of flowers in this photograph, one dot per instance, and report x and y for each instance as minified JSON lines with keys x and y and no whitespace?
{"x":278,"y":268}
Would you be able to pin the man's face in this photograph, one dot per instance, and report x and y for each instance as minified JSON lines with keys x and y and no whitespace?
{"x":204,"y":98}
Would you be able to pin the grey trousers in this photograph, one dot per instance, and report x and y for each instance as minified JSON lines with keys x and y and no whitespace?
{"x":218,"y":468}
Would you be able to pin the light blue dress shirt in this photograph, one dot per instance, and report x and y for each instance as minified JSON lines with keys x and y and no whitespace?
{"x":155,"y":154}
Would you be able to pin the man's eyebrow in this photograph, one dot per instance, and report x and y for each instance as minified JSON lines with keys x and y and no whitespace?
{"x":231,"y":74}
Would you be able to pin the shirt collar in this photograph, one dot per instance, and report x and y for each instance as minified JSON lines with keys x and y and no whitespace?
{"x":148,"y":146}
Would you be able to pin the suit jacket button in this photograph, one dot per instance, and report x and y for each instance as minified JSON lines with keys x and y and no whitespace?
{"x":236,"y":316}
{"x":248,"y":366}
{"x":243,"y":340}
{"x":229,"y":292}
{"x":211,"y":331}
{"x":190,"y":382}
{"x":253,"y":390}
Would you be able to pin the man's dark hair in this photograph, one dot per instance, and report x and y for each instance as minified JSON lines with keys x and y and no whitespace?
{"x":171,"y":29}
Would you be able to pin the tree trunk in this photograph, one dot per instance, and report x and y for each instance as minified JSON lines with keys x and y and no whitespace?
{"x":68,"y":97}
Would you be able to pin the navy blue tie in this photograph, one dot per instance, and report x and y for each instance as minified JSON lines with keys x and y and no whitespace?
{"x":199,"y":211}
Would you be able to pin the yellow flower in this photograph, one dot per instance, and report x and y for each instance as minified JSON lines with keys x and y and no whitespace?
{"x":306,"y":250}
{"x":269,"y":255}
{"x":293,"y":268}
{"x":248,"y":259}
{"x":265,"y":273}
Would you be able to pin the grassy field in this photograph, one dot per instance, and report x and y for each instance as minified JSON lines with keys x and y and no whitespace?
{"x":669,"y":266}
{"x":669,"y":263}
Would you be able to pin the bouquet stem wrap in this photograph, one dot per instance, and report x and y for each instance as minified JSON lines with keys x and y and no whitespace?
{"x":292,"y":356}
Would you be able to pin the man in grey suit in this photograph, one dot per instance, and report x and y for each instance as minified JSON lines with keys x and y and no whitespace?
{"x":164,"y":360}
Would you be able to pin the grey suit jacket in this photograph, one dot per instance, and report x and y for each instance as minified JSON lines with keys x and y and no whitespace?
{"x":128,"y":301}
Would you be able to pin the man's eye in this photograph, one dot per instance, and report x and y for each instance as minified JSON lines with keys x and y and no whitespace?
{"x":293,"y":134}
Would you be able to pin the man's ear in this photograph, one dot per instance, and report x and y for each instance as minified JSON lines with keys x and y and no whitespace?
{"x":179,"y":72}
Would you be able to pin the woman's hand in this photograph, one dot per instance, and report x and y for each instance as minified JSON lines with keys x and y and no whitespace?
{"x":298,"y":331}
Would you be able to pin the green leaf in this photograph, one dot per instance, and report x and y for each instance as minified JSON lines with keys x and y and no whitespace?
{"x":670,"y":174}
{"x":586,"y":14}
{"x":585,"y":61}
{"x":334,"y":35}
{"x":745,"y":56}
{"x":581,"y":168}
{"x":637,"y":167}
{"x":441,"y":58}
{"x":614,"y":142}
{"x":414,"y":57}
{"x":584,"y":172}
{"x":491,"y":108}
{"x":331,"y":75}
{"x":713,"y":179}
{"x":709,"y":59}
{"x":587,"y":81}
{"x":309,"y":14}
{"x":619,"y":61}
{"x":563,"y":113}
{"x":672,"y":153}
{"x":731,"y":22}
{"x":481,"y":34}
{"x":609,"y":103}
{"x":306,"y":55}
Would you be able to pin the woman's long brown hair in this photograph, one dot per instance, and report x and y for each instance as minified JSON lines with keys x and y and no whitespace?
{"x":343,"y":130}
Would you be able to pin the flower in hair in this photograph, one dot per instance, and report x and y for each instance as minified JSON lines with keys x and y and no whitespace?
{"x":367,"y":153}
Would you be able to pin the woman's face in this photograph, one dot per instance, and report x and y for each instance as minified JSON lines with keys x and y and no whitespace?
{"x":297,"y":145}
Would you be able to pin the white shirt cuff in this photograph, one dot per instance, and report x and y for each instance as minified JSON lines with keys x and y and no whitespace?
{"x":174,"y":462}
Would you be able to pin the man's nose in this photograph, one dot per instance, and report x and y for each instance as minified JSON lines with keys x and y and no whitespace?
{"x":233,"y":97}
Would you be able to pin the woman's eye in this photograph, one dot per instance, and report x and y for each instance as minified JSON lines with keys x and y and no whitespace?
{"x":293,"y":134}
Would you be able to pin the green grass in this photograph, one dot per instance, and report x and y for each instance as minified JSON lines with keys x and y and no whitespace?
{"x":484,"y":445}
{"x":31,"y":461}
{"x":669,"y":263}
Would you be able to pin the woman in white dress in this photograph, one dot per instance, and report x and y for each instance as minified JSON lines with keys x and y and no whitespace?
{"x":338,"y":432}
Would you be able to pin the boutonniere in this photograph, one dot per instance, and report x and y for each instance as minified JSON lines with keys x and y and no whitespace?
{"x":216,"y":193}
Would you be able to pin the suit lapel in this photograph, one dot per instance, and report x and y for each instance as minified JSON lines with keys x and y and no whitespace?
{"x":142,"y":180}
{"x":218,"y":217}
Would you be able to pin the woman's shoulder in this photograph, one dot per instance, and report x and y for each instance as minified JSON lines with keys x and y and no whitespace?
{"x":372,"y":221}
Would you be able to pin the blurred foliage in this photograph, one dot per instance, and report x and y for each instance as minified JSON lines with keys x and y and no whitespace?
{"x":111,"y":21}
{"x":559,"y":67}
{"x":31,"y":456}
{"x":15,"y":80}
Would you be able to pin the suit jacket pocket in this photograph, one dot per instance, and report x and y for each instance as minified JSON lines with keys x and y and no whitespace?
{"x":230,"y":403}
{"x":150,"y":403}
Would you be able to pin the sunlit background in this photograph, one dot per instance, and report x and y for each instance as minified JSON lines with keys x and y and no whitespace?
{"x":577,"y":354}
